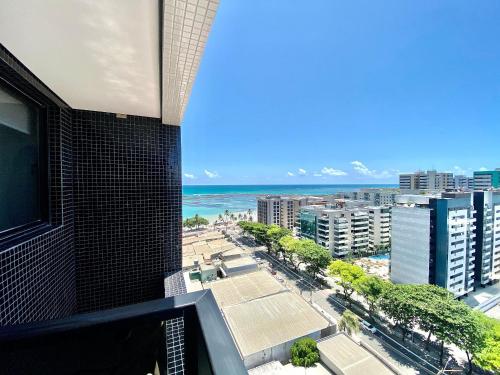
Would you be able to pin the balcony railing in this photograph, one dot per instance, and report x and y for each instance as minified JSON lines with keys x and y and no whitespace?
{"x":130,"y":340}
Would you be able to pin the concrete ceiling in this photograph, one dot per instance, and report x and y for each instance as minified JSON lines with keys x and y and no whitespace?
{"x":104,"y":55}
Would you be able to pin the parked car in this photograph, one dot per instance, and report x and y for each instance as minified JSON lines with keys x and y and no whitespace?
{"x":368,"y":326}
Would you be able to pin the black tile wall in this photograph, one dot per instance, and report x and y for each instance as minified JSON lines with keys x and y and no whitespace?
{"x":37,"y":276}
{"x":115,"y":213}
{"x":127,"y":200}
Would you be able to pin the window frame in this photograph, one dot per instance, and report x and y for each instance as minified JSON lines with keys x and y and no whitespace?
{"x":9,"y":237}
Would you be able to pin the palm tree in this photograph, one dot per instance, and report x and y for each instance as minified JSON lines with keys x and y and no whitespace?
{"x":220,"y":217}
{"x":349,"y":323}
{"x":240,"y":216}
{"x":233,"y":217}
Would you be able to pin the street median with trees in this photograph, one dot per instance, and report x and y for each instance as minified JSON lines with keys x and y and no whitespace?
{"x":432,"y":309}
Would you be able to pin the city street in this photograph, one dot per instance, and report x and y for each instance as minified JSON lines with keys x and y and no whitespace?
{"x":385,"y":340}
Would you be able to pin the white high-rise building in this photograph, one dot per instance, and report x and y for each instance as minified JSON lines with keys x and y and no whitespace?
{"x":342,"y":231}
{"x":379,"y":232}
{"x":433,"y":241}
{"x":464,"y":182}
{"x":427,"y":181}
{"x":281,"y":210}
{"x":487,"y":206}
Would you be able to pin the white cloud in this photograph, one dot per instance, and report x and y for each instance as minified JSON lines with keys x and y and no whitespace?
{"x":290,"y":174}
{"x":211,"y":174}
{"x":302,"y":171}
{"x":483,"y":169}
{"x":365,"y":171}
{"x":190,"y":176}
{"x":333,"y":172}
{"x":458,"y":170}
{"x":317,"y":174}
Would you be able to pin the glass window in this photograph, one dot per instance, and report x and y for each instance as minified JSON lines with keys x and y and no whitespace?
{"x":20,"y":172}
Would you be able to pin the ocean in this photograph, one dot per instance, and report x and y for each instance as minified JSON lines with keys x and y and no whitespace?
{"x":211,"y":200}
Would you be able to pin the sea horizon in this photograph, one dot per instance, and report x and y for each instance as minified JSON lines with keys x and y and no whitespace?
{"x":211,"y":200}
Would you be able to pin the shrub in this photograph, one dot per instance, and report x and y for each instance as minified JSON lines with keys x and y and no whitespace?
{"x":304,"y":352}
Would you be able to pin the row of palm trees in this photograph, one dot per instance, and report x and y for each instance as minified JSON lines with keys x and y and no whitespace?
{"x":231,"y":217}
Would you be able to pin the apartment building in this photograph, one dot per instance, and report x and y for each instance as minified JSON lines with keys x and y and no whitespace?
{"x":433,"y":241}
{"x":484,"y":180}
{"x":464,"y":182}
{"x":342,"y":231}
{"x":372,"y":196}
{"x":426,"y":180}
{"x":487,"y":206}
{"x":379,"y":230}
{"x":283,"y":211}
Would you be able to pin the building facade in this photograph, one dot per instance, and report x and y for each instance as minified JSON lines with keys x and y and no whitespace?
{"x":487,"y":206}
{"x":433,"y":241}
{"x":379,"y":228}
{"x":281,"y":210}
{"x":484,"y":180}
{"x":372,"y":196}
{"x":426,"y":180}
{"x":464,"y":182}
{"x":342,"y":231}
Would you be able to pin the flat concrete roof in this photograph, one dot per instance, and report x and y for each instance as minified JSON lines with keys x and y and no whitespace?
{"x":238,"y":289}
{"x":350,"y":358}
{"x":268,"y":321}
{"x":239,"y":262}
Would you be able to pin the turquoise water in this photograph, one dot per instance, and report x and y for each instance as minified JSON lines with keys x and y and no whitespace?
{"x":212,"y":200}
{"x":380,"y":257}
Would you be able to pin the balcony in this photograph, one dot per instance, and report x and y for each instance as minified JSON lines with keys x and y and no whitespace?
{"x":156,"y":337}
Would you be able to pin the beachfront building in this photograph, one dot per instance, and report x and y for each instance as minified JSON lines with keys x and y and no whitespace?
{"x":463,"y":182}
{"x":484,"y":180}
{"x":283,"y":210}
{"x":379,"y":228}
{"x":342,"y":231}
{"x":487,"y":206}
{"x":433,"y":241}
{"x":372,"y":196}
{"x":426,"y":181}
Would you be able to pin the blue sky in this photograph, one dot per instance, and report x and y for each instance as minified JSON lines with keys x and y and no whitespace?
{"x":331,"y":91}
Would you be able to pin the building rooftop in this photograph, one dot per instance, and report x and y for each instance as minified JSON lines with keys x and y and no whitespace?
{"x":239,"y":262}
{"x":268,"y":321}
{"x":346,"y":357}
{"x":238,"y":289}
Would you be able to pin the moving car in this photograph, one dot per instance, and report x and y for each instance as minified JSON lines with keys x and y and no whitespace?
{"x":368,"y":326}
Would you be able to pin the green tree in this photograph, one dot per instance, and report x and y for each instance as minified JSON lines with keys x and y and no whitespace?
{"x":489,"y":357}
{"x":397,"y":303}
{"x":469,"y":333}
{"x":371,"y":288}
{"x":304,"y":352}
{"x":198,"y":220}
{"x":316,"y":257}
{"x":348,"y":273}
{"x":289,"y":246}
{"x":188,"y":223}
{"x":349,"y":322}
{"x":273,"y":235}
